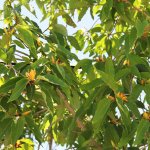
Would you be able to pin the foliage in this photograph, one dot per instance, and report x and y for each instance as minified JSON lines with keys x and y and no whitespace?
{"x":100,"y":103}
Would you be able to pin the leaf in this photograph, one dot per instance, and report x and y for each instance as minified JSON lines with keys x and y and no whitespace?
{"x":82,"y":13}
{"x":100,"y":113}
{"x":134,"y":109}
{"x":20,"y":86}
{"x":5,"y":125}
{"x":18,"y":43}
{"x":53,"y":79}
{"x":125,"y":116}
{"x":137,"y":89}
{"x":122,"y":73}
{"x":93,"y":84}
{"x":27,"y":37}
{"x":85,"y":64}
{"x":147,"y":91}
{"x":58,"y":28}
{"x":61,"y":70}
{"x":17,"y":130}
{"x":30,"y":91}
{"x":97,"y":93}
{"x":10,"y":54}
{"x":142,"y":128}
{"x":74,"y":42}
{"x":47,"y":90}
{"x":3,"y":55}
{"x":135,"y":71}
{"x":140,"y":27}
{"x":135,"y":59}
{"x":69,"y":20}
{"x":111,"y":137}
{"x":3,"y":69}
{"x":41,"y":6}
{"x":126,"y":137}
{"x":10,"y":84}
{"x":109,"y":67}
{"x":34,"y":128}
{"x":109,"y":80}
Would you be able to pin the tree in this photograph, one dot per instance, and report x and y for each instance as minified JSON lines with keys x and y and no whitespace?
{"x":100,"y":103}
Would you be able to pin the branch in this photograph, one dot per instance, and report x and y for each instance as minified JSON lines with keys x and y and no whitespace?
{"x":70,"y":109}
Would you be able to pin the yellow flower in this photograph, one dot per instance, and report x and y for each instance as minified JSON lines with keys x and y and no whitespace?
{"x":146,"y":115}
{"x":31,"y":75}
{"x":126,"y":62}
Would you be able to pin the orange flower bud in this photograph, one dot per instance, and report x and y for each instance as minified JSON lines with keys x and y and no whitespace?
{"x":26,"y":113}
{"x":122,"y":96}
{"x":142,"y":82}
{"x":100,"y":59}
{"x":18,"y":144}
{"x":111,"y":98}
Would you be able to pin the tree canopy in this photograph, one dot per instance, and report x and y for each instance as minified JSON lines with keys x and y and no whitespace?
{"x":101,"y":102}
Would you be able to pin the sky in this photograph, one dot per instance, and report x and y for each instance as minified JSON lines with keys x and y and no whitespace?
{"x":85,"y":24}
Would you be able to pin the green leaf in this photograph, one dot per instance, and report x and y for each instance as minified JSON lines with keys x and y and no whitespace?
{"x":10,"y":84}
{"x":122,"y":73}
{"x":19,"y":87}
{"x":47,"y":90}
{"x":82,"y":13}
{"x":97,"y":93}
{"x":61,"y":70}
{"x":100,"y":113}
{"x":135,"y":59}
{"x":53,"y":79}
{"x":135,"y":71}
{"x":147,"y":91}
{"x":5,"y":125}
{"x":74,"y":42}
{"x":141,"y":130}
{"x":59,"y":28}
{"x":10,"y":54}
{"x":93,"y":84}
{"x":133,"y":108}
{"x":125,"y":116}
{"x":17,"y":129}
{"x":69,"y":20}
{"x":34,"y":128}
{"x":109,"y":67}
{"x":3,"y":69}
{"x":30,"y":91}
{"x":27,"y":37}
{"x":126,"y":137}
{"x":109,"y":80}
{"x":18,"y":43}
{"x":3,"y":55}
{"x":140,"y":27}
{"x":85,"y":64}
{"x":137,"y":89}
{"x":111,"y":137}
{"x":41,"y":6}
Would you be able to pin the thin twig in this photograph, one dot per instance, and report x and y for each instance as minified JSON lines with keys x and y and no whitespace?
{"x":39,"y":112}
